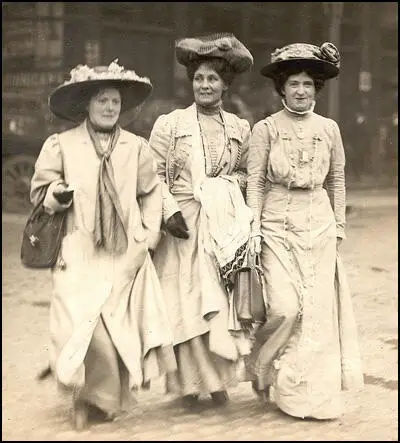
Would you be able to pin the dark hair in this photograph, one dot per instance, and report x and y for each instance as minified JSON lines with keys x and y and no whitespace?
{"x":221,"y":66}
{"x":281,"y":78}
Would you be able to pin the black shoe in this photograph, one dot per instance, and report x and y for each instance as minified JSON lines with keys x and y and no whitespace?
{"x":96,"y":414}
{"x":190,"y":401}
{"x":220,"y":397}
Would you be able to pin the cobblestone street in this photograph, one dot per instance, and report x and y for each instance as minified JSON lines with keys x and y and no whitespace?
{"x":36,"y":411}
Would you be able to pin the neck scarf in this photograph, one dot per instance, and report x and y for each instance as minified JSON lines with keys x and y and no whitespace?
{"x":109,"y":230}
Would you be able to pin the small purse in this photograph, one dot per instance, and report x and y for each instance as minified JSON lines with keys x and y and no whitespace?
{"x":42,"y":236}
{"x":248,"y":293}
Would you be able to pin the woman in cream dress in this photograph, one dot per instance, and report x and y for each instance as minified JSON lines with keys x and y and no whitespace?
{"x":307,"y":350}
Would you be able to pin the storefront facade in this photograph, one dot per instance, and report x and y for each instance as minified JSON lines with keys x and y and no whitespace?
{"x":42,"y":41}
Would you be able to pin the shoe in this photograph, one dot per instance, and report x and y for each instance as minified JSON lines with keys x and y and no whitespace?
{"x":262,"y":394}
{"x":219,"y":397}
{"x":80,"y":415}
{"x":96,"y":414}
{"x":190,"y":401}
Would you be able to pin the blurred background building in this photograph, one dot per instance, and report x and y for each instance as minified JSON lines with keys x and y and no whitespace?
{"x":43,"y":41}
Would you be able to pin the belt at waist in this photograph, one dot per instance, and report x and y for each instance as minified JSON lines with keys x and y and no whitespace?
{"x":279,"y":186}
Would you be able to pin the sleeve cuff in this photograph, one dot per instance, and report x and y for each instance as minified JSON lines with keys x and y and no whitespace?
{"x":170,"y":207}
{"x":255,"y":233}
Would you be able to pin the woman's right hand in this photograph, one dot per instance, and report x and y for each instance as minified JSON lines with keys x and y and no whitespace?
{"x":255,"y":245}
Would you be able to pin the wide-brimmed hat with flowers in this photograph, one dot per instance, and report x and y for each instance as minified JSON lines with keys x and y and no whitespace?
{"x":324,"y":60}
{"x":69,"y":100}
{"x":223,"y":45}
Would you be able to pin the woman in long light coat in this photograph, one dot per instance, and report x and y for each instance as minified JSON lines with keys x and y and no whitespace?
{"x":307,"y":350}
{"x":201,"y":154}
{"x":109,"y":327}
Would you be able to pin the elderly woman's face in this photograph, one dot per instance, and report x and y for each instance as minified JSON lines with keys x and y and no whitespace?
{"x":299,"y":92}
{"x":208,"y":86}
{"x":104,"y":108}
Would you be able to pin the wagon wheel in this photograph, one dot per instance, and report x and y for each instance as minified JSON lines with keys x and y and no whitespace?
{"x":17,"y":173}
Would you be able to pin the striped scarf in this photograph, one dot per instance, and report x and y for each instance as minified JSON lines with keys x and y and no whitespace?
{"x":109,"y":229}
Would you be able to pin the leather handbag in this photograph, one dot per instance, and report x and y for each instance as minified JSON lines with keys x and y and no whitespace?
{"x":42,"y":236}
{"x":248,"y":292}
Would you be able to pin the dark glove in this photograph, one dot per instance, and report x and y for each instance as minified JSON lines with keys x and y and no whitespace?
{"x":63,"y":196}
{"x":176,"y":226}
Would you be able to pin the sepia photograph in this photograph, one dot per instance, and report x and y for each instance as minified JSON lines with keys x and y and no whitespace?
{"x":200,"y":221}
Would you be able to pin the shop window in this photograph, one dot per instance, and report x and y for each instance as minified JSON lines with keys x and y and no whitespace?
{"x":49,"y":35}
{"x":18,"y":42}
{"x":18,"y":10}
{"x":33,"y":35}
{"x":19,"y":33}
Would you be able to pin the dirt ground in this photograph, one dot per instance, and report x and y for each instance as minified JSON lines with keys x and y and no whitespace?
{"x":36,"y":411}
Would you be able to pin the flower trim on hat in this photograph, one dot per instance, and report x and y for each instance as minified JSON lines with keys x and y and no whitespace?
{"x":327,"y":51}
{"x":114,"y":71}
{"x":224,"y":44}
{"x":330,"y":52}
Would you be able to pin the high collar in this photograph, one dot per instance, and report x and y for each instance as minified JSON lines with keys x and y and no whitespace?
{"x":298,"y":114}
{"x":210,"y":110}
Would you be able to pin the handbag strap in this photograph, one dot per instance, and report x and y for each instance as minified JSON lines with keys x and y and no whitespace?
{"x":38,"y":208}
{"x":254,"y":261}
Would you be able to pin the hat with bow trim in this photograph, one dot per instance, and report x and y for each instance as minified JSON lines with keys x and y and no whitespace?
{"x":70,"y":100}
{"x":323,"y":60}
{"x":223,"y":45}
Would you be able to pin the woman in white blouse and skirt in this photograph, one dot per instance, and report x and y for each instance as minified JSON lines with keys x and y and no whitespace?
{"x":307,"y":350}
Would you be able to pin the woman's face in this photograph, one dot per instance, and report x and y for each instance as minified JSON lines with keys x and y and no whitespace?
{"x":104,"y":108}
{"x":299,"y":92}
{"x":208,"y":86}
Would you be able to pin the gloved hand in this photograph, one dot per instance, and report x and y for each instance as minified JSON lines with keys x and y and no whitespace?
{"x":176,"y":226}
{"x":62,"y":193}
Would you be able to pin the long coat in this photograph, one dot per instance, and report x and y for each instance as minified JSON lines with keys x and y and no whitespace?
{"x":125,"y":289}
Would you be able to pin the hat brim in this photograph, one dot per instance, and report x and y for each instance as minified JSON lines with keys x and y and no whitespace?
{"x":324,"y":69}
{"x":70,"y":101}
